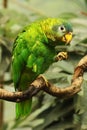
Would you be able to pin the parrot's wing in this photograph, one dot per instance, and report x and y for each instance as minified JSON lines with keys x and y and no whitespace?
{"x":19,"y":58}
{"x":27,"y":58}
{"x":18,"y":65}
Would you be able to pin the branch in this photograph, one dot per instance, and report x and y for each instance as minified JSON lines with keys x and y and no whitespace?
{"x":40,"y":84}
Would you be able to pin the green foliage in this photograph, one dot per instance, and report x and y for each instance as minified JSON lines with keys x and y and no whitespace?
{"x":50,"y":113}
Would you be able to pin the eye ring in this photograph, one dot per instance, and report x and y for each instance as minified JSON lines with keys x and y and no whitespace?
{"x":62,"y":28}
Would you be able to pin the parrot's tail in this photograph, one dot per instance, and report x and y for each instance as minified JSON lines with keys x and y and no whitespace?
{"x":23,"y":108}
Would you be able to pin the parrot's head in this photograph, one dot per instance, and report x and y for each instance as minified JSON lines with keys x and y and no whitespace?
{"x":59,"y":31}
{"x":62,"y":32}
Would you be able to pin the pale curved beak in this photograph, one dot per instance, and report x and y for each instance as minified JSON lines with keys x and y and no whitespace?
{"x":67,"y":38}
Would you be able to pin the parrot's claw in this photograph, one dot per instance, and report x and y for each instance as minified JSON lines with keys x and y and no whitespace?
{"x":61,"y":56}
{"x":46,"y":81}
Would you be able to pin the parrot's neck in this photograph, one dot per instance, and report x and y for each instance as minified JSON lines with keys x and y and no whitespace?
{"x":47,"y":30}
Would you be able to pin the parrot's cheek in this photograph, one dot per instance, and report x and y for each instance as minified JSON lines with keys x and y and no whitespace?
{"x":67,"y":38}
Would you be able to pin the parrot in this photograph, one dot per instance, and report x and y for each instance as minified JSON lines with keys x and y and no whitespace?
{"x":34,"y":51}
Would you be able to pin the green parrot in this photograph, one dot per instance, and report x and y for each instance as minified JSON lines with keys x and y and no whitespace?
{"x":34,"y":52}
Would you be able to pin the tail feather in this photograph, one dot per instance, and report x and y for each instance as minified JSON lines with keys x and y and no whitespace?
{"x":23,"y":108}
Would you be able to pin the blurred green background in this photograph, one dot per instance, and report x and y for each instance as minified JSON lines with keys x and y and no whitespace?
{"x":48,"y":113}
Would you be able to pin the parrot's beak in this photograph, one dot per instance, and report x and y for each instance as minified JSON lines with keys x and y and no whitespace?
{"x":67,"y":38}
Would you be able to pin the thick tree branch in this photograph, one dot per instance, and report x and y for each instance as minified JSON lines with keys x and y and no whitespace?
{"x":41,"y":84}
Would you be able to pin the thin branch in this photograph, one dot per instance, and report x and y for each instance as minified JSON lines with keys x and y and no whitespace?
{"x":84,"y":13}
{"x":5,"y":2}
{"x":40,"y":84}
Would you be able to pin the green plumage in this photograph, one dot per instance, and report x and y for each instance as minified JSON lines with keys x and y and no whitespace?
{"x":33,"y":52}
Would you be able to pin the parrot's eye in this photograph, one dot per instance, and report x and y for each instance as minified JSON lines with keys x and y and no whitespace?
{"x":62,"y":28}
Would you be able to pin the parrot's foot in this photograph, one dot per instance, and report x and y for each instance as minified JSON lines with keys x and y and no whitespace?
{"x":61,"y":56}
{"x":46,"y":81}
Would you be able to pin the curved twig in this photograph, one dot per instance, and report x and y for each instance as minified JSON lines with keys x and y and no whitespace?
{"x":41,"y":84}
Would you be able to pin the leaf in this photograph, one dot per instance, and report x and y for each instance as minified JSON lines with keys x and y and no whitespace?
{"x":85,"y":2}
{"x":66,"y":66}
